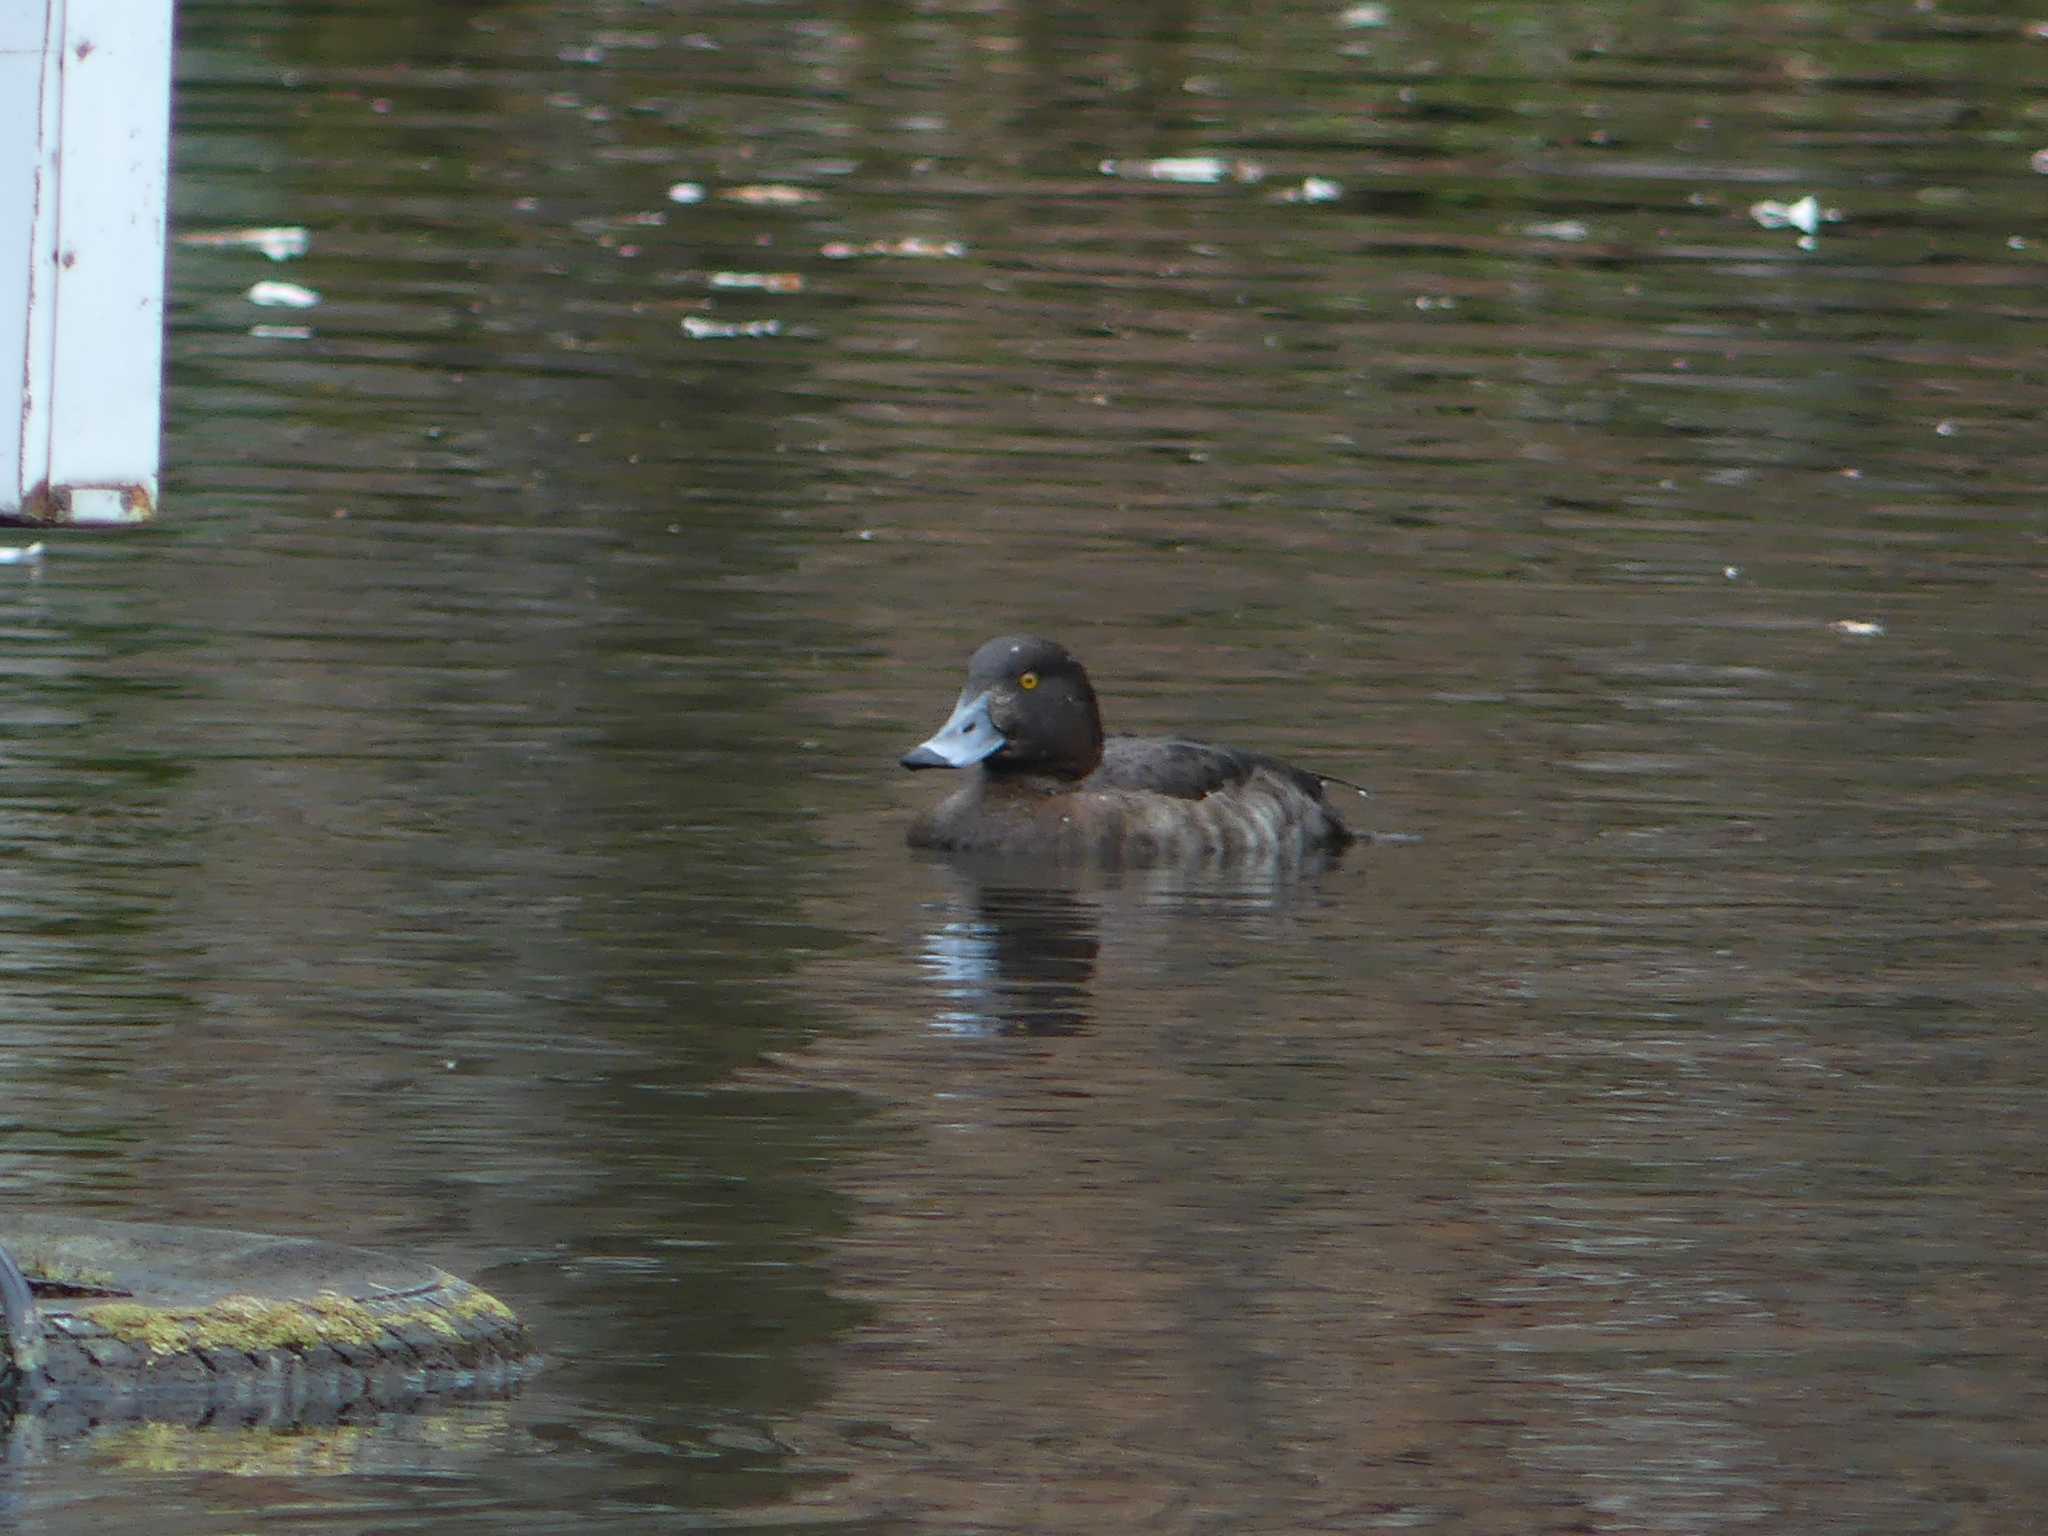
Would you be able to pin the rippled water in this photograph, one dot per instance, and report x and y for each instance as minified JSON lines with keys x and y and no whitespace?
{"x":468,"y":823}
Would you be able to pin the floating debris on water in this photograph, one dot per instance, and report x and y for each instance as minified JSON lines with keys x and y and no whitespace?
{"x":1365,"y":15}
{"x":767,"y":282}
{"x":1189,"y":169}
{"x":22,"y":554}
{"x":1313,"y":189}
{"x":686,"y":192}
{"x":771,"y":195}
{"x":1558,"y":229}
{"x":1806,"y":216}
{"x":911,"y":246}
{"x":281,"y":332}
{"x":281,"y":242}
{"x":697,"y":328}
{"x":273,"y":295}
{"x":1863,"y":628}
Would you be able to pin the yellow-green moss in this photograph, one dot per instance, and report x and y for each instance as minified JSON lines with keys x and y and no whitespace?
{"x":253,"y":1324}
{"x":149,"y":1327}
{"x":476,"y":1303}
{"x":435,"y":1321}
{"x":247,"y":1323}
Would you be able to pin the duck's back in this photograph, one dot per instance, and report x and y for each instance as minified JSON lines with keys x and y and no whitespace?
{"x":1189,"y":770}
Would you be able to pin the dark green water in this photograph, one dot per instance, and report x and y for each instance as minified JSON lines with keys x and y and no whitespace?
{"x":469,"y":824}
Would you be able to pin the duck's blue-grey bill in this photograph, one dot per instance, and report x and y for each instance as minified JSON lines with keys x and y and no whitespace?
{"x":966,"y":738}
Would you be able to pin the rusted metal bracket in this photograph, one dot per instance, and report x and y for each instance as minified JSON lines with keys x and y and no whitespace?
{"x":87,"y":506}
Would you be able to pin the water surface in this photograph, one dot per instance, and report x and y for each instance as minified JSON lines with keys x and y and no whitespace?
{"x":468,"y":824}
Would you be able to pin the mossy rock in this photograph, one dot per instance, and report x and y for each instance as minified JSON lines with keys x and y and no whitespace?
{"x":123,"y":1320}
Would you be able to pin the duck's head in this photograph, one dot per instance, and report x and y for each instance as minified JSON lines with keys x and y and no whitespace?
{"x":1027,"y":708}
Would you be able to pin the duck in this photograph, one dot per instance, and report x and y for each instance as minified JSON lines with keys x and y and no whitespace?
{"x":1044,"y":780}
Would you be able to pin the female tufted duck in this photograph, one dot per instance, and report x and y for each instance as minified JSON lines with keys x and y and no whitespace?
{"x":1045,"y":781}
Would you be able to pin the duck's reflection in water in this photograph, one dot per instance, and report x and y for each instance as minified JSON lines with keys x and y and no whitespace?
{"x":1013,"y":959}
{"x":1012,"y":950}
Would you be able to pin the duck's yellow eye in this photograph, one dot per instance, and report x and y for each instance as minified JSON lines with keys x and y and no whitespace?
{"x":1028,"y":681}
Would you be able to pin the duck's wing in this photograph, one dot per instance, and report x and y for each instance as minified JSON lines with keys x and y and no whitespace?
{"x":1190,"y":770}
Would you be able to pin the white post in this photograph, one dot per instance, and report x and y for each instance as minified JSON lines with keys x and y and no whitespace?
{"x":85,"y":117}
